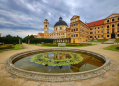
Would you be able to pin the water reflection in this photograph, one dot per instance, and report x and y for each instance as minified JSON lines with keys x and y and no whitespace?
{"x":89,"y":62}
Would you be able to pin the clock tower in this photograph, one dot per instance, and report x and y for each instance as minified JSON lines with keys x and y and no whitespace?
{"x":46,"y":28}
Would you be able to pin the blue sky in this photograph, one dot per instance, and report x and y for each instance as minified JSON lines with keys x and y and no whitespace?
{"x":23,"y":17}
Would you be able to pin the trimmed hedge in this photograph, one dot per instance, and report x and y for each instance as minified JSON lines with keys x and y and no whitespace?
{"x":10,"y":40}
{"x":38,"y":40}
{"x":6,"y":46}
{"x":118,"y":46}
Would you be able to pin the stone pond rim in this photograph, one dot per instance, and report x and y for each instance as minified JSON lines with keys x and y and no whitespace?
{"x":57,"y":76}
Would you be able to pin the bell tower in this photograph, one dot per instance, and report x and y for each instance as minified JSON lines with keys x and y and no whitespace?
{"x":46,"y":28}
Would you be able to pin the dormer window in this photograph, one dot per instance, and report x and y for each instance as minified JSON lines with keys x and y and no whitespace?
{"x":113,"y":20}
{"x":107,"y":21}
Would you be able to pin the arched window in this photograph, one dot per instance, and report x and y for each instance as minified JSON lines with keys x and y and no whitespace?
{"x":107,"y":21}
{"x":107,"y":26}
{"x":113,"y":25}
{"x":113,"y":20}
{"x":117,"y":24}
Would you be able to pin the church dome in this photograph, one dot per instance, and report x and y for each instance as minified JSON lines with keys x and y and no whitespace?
{"x":60,"y":22}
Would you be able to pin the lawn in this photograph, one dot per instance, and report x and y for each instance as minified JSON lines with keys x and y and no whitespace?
{"x":117,"y":40}
{"x":62,"y":46}
{"x":98,"y":40}
{"x":112,"y":47}
{"x":17,"y":46}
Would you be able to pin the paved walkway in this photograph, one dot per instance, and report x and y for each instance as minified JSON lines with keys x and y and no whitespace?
{"x":110,"y":41}
{"x":110,"y":78}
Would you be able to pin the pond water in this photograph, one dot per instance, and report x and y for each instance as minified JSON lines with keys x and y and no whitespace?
{"x":59,"y":62}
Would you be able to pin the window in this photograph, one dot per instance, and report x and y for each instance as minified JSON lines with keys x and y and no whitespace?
{"x":98,"y":31}
{"x":91,"y":29}
{"x":118,"y":29}
{"x":76,"y":35}
{"x":113,"y":20}
{"x":76,"y":29}
{"x":72,"y":30}
{"x":91,"y":37}
{"x":118,"y":25}
{"x":56,"y":28}
{"x":95,"y":32}
{"x":107,"y":30}
{"x":113,"y":25}
{"x":98,"y":27}
{"x":60,"y":28}
{"x":91,"y":32}
{"x":107,"y":26}
{"x":95,"y":36}
{"x":74,"y":24}
{"x":71,"y":35}
{"x":102,"y":26}
{"x":95,"y":28}
{"x":45,"y":25}
{"x":98,"y":36}
{"x":118,"y":35}
{"x":107,"y":35}
{"x":102,"y":36}
{"x":107,"y":21}
{"x":102,"y":31}
{"x":118,"y":18}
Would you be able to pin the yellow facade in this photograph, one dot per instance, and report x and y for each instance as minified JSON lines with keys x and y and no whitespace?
{"x":109,"y":28}
{"x":79,"y":30}
{"x":59,"y":31}
{"x":46,"y":28}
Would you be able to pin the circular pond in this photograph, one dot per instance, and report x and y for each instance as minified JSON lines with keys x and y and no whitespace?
{"x":58,"y":64}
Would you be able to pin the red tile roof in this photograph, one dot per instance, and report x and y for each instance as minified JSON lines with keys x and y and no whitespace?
{"x":41,"y":34}
{"x":96,"y":23}
{"x":35,"y":35}
{"x":68,"y":28}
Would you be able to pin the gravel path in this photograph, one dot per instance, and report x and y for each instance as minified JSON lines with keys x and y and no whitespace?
{"x":110,"y":78}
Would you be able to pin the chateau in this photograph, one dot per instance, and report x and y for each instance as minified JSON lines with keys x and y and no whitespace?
{"x":79,"y":32}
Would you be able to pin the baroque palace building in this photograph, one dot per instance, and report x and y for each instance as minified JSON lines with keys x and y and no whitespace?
{"x":79,"y":32}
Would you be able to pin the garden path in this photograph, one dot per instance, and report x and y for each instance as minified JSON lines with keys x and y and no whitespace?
{"x":110,"y":78}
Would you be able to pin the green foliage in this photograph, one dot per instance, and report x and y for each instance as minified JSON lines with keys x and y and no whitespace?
{"x":118,"y":46}
{"x":14,"y":43}
{"x":112,"y":47}
{"x":10,"y":39}
{"x":117,"y":40}
{"x":40,"y":59}
{"x":6,"y":46}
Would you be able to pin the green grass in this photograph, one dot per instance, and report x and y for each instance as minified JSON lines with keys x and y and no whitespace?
{"x":112,"y":47}
{"x":98,"y":40}
{"x":117,"y":40}
{"x":16,"y":47}
{"x":62,"y":46}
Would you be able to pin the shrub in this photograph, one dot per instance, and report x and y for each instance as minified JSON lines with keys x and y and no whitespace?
{"x":14,"y":43}
{"x":6,"y":46}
